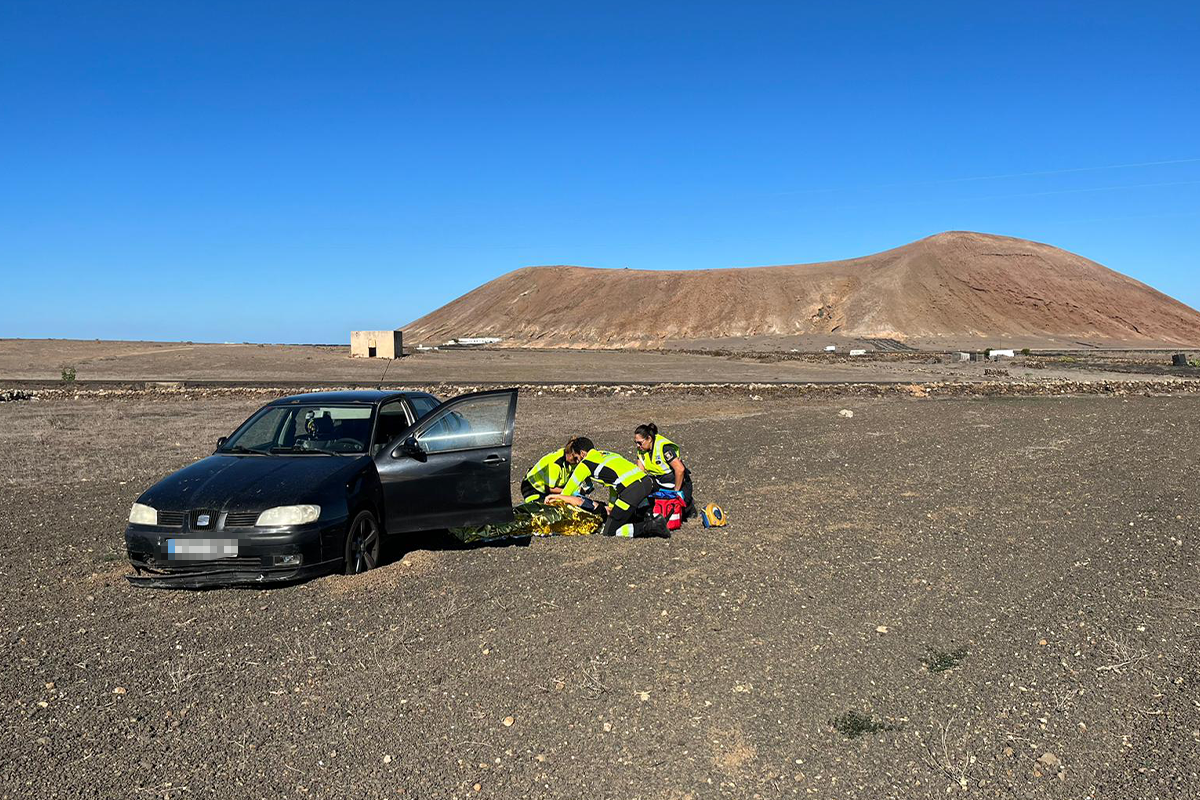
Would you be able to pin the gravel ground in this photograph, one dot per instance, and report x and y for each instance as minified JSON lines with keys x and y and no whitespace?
{"x":1044,"y":551}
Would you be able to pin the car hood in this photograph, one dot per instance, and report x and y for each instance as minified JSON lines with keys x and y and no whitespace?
{"x":250,"y":483}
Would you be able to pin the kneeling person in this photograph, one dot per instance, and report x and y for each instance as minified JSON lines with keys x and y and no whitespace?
{"x":546,"y":477}
{"x":662,"y":461}
{"x":628,"y":482}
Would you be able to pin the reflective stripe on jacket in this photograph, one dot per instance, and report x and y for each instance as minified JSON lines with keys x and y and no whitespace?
{"x":655,"y":462}
{"x":550,"y":471}
{"x":604,"y":467}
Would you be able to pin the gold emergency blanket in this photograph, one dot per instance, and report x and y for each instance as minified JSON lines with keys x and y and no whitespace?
{"x":535,"y":519}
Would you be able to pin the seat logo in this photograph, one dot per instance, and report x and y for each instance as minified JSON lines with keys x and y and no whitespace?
{"x":202,"y":520}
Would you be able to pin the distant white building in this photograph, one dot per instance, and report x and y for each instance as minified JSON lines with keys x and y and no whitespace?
{"x":997,"y":354}
{"x":831,"y":348}
{"x":858,"y":352}
{"x":473,"y":341}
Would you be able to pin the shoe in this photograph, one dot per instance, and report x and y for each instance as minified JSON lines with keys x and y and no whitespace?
{"x":656,"y":526}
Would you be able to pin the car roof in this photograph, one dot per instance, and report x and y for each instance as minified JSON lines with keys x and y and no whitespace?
{"x":366,"y":396}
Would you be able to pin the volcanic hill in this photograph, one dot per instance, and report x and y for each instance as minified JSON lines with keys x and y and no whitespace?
{"x":954,"y":286}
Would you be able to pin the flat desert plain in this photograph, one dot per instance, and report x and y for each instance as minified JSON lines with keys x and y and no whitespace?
{"x":986,"y":597}
{"x":41,"y":361}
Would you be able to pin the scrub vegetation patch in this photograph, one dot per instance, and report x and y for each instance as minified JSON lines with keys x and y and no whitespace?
{"x":936,"y":660}
{"x":853,"y":724}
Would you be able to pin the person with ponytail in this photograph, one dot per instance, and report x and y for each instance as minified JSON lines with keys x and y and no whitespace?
{"x":662,"y":460}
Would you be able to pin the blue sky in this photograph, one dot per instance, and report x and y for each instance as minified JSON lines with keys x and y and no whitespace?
{"x":288,"y":171}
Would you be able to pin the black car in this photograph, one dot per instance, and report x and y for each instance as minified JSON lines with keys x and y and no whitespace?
{"x":310,"y":483}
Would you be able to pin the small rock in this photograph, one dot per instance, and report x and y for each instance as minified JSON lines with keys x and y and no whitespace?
{"x":119,"y":690}
{"x":1049,"y":760}
{"x":846,"y":413}
{"x":643,"y":696}
{"x":50,"y":685}
{"x":607,"y":727}
{"x":508,"y":721}
{"x":881,"y":629}
{"x":387,"y":759}
{"x":477,"y":787}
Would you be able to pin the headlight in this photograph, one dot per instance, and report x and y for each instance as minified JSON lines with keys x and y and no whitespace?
{"x":287,"y":515}
{"x":143,"y":515}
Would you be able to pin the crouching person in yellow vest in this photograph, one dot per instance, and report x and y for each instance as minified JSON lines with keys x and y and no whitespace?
{"x":628,"y":484}
{"x":662,"y":460}
{"x":546,"y":477}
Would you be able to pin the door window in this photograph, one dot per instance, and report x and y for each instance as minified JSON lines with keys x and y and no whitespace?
{"x":423,"y":405}
{"x":470,"y":424}
{"x":393,"y":419}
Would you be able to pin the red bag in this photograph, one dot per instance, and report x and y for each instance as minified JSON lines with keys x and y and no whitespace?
{"x":672,"y":509}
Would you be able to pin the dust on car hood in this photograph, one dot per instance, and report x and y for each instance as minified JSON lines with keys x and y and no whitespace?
{"x":251,"y":483}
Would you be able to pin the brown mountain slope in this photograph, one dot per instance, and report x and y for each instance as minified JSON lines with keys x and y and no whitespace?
{"x":954,"y":285}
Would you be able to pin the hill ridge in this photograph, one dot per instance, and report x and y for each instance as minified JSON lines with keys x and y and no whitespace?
{"x":951,"y":285}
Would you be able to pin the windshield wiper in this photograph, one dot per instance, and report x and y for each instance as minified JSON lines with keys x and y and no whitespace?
{"x":238,"y":449}
{"x":321,"y":450}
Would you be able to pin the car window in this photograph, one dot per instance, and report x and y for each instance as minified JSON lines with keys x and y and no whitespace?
{"x":473,"y":423}
{"x":262,"y":431}
{"x":321,"y":428}
{"x":393,"y":419}
{"x":422,"y":405}
{"x":340,"y":428}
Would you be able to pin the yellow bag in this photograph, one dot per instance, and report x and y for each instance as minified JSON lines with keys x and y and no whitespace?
{"x":713,"y":517}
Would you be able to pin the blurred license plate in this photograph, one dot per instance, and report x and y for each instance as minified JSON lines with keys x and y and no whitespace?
{"x":200,"y":549}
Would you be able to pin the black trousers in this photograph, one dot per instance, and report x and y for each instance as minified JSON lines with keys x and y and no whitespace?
{"x":620,"y":521}
{"x":529,"y":494}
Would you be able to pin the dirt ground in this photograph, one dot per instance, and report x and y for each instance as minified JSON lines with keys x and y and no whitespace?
{"x":24,"y":360}
{"x":996,"y":594}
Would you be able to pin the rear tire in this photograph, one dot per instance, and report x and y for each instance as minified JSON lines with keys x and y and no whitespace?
{"x":362,"y":544}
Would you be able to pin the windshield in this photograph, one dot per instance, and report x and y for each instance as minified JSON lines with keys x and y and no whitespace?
{"x":303,"y":428}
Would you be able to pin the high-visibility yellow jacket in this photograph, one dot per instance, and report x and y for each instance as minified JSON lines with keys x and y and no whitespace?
{"x":658,"y":460}
{"x":551,"y":470}
{"x":610,"y":469}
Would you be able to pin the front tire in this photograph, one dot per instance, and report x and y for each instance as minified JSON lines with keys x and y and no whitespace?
{"x":362,"y":544}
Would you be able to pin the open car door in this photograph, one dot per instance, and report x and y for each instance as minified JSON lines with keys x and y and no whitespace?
{"x":452,"y":467}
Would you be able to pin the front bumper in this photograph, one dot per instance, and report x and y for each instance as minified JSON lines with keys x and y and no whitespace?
{"x":319,"y":548}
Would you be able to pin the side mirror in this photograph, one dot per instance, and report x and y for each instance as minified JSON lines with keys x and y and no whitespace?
{"x":221,"y":442}
{"x":410,"y":447}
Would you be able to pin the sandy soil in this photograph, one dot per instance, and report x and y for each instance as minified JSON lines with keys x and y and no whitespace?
{"x":1052,"y":544}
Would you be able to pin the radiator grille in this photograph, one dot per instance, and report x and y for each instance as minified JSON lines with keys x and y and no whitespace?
{"x":170,"y":519}
{"x":241,"y":519}
{"x":231,"y":562}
